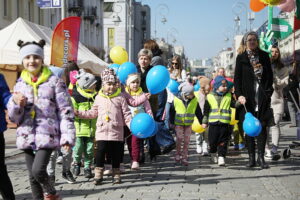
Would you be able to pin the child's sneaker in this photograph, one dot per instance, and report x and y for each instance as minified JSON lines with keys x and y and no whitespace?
{"x":268,"y":155}
{"x":214,"y":157}
{"x":107,"y":170}
{"x":236,"y":147}
{"x":221,"y":161}
{"x":177,"y":159}
{"x":68,"y":176}
{"x":52,"y":196}
{"x":199,"y":149}
{"x":135,"y":165}
{"x":88,"y":173}
{"x":76,"y":169}
{"x":184,"y":162}
{"x":241,"y":146}
{"x":204,"y":149}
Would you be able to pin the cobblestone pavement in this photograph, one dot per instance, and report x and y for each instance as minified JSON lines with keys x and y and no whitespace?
{"x":165,"y":180}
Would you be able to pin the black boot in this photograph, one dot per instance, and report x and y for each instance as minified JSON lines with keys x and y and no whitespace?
{"x":261,"y":161}
{"x":251,"y":162}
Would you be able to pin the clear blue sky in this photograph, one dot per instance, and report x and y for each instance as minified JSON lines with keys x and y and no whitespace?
{"x":200,"y":23}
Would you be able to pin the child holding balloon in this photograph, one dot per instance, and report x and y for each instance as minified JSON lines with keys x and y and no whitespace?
{"x":217,"y":114}
{"x":113,"y":113}
{"x":182,"y":112}
{"x":133,"y":88}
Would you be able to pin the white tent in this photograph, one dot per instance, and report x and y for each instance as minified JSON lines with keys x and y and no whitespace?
{"x":27,"y":31}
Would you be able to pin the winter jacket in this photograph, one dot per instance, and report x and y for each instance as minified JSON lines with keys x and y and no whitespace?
{"x":281,"y":77}
{"x":112,"y":112}
{"x":5,"y":96}
{"x":244,"y":84}
{"x":82,"y":100}
{"x":52,"y":124}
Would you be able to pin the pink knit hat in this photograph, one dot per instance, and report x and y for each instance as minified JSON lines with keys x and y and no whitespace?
{"x":109,"y":75}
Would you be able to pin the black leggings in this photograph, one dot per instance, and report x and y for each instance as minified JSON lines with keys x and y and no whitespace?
{"x":114,"y":151}
{"x":37,"y":168}
{"x":6,"y":188}
{"x":218,"y":137}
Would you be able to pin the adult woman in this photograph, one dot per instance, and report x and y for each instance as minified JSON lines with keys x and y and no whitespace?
{"x":176,"y":71}
{"x":44,"y":116}
{"x":280,"y":80}
{"x":6,"y":188}
{"x":253,"y":81}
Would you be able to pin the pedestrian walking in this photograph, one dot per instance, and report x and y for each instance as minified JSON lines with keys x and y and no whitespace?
{"x":113,"y":113}
{"x":280,"y":81}
{"x":182,"y":112}
{"x":83,"y":97}
{"x":253,"y":79}
{"x":133,"y":88}
{"x":44,"y":116}
{"x":6,"y":188}
{"x":217,"y":115}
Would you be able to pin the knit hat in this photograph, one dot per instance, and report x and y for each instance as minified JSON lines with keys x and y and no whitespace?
{"x":218,"y":82}
{"x":85,"y":80}
{"x":31,"y":49}
{"x":132,"y":77}
{"x":108,"y":75}
{"x":186,"y":88}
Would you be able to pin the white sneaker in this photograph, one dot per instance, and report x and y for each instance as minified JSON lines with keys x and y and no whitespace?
{"x":204,"y":149}
{"x":214,"y":158}
{"x":268,"y":155}
{"x":199,"y":149}
{"x":135,"y":165}
{"x":221,"y":161}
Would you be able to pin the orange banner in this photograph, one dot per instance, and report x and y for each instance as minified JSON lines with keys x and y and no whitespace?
{"x":65,"y":39}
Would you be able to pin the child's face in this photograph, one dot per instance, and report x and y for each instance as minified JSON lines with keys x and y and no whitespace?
{"x":109,"y":88}
{"x":206,"y":89}
{"x":134,"y":85}
{"x":33,"y":64}
{"x":190,"y":96}
{"x":223,"y":87}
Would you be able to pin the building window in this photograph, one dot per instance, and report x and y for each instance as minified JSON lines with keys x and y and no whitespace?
{"x":108,"y":6}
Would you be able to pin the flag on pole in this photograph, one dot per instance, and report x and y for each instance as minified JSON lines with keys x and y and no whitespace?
{"x":65,"y":39}
{"x":281,"y":28}
{"x":297,"y":9}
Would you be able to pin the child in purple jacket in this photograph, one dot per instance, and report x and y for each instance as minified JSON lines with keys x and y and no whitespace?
{"x":44,"y":115}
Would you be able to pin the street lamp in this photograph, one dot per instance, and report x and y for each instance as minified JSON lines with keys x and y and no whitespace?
{"x":117,"y":8}
{"x":237,"y":9}
{"x":251,"y":17}
{"x":162,"y":10}
{"x":172,"y":34}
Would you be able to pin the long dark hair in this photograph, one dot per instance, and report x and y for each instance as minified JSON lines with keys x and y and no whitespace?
{"x":278,"y":63}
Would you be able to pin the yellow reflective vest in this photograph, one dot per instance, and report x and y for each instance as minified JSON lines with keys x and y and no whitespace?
{"x":220,"y":113}
{"x":184,"y":116}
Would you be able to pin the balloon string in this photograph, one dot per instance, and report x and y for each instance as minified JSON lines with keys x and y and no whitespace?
{"x":245,"y":107}
{"x":127,"y":136}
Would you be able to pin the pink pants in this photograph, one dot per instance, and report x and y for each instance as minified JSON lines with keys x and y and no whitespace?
{"x":183,"y":134}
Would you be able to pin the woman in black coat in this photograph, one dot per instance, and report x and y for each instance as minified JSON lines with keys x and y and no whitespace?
{"x":253,"y":81}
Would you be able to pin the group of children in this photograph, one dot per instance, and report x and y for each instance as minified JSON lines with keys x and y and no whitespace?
{"x":48,"y":118}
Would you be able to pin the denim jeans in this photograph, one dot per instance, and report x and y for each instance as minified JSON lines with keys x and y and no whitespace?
{"x":162,"y":99}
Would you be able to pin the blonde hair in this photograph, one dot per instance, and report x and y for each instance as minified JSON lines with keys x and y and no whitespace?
{"x":133,"y":77}
{"x":242,"y":48}
{"x":145,"y":52}
{"x":178,"y":60}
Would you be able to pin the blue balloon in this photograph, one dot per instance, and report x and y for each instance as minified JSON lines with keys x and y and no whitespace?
{"x":173,"y":86}
{"x":115,"y":67}
{"x":126,"y":69}
{"x":142,"y":125}
{"x":157,"y":79}
{"x":155,"y":129}
{"x":197,"y":86}
{"x":251,"y":125}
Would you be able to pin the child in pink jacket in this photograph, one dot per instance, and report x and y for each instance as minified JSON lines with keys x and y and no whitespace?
{"x":113,"y":113}
{"x":135,"y":91}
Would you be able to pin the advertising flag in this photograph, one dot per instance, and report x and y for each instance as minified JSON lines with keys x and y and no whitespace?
{"x":65,"y":39}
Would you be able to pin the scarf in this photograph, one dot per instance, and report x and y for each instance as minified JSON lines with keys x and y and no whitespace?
{"x":86,"y":93}
{"x":43,"y":77}
{"x":117,"y":93}
{"x":137,"y":93}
